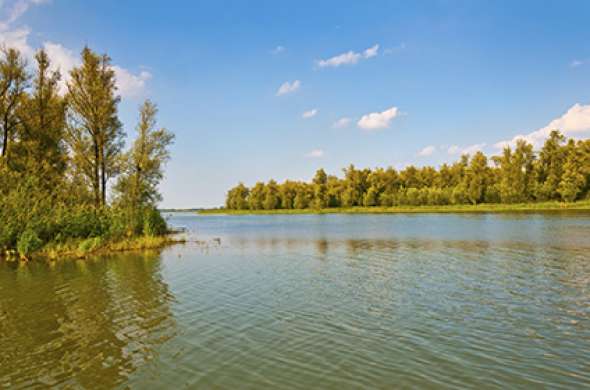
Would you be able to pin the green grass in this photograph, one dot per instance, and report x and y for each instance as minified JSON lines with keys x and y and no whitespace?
{"x":83,"y":248}
{"x":480,"y":208}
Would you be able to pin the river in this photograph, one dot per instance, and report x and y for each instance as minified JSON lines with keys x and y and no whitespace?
{"x":300,"y":301}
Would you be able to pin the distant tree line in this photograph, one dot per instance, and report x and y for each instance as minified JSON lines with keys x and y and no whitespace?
{"x":59,"y":152}
{"x":560,"y":171}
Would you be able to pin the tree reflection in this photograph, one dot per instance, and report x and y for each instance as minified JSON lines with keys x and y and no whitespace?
{"x":84,"y":323}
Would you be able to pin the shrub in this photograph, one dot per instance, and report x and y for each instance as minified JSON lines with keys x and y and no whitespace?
{"x":153,"y":223}
{"x":28,"y":242}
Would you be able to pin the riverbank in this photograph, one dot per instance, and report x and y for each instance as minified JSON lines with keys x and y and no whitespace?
{"x":81,"y":249}
{"x":480,"y":208}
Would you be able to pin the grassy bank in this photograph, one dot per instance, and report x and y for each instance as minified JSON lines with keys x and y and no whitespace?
{"x":480,"y":208}
{"x":83,"y":248}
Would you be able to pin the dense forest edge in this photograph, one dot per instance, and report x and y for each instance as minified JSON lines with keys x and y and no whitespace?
{"x":68,"y":186}
{"x":556,"y":177}
{"x":579,"y":206}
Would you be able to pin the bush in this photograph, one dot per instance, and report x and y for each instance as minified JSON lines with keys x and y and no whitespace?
{"x":153,"y":223}
{"x":28,"y":242}
{"x":31,"y":216}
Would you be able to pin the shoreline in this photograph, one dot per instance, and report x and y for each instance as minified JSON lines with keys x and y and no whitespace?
{"x":84,"y":248}
{"x":580,"y":206}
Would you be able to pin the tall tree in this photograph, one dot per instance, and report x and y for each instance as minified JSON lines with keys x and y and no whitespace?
{"x":14,"y":80}
{"x":271,"y":196}
{"x":516,"y":172}
{"x":573,"y":180}
{"x":320,"y":181}
{"x":256,"y":199}
{"x":287,"y":193}
{"x":42,"y":131}
{"x":237,"y":197}
{"x":476,"y":178}
{"x":550,"y":166}
{"x":95,"y":132}
{"x":355,"y":183}
{"x":303,"y":197}
{"x":138,"y":187}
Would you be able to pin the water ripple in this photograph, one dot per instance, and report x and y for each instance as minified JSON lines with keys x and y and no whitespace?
{"x":312,"y":301}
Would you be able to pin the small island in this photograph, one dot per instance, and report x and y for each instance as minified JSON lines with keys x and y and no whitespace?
{"x":68,"y":187}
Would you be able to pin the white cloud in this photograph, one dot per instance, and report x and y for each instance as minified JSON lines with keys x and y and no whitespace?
{"x":309,"y":114}
{"x":316,"y":153}
{"x":288,"y":87}
{"x":63,"y":59}
{"x":18,"y":39}
{"x":341,"y":123}
{"x":378,"y":120}
{"x":576,"y":120}
{"x":17,"y":10}
{"x":129,"y":84}
{"x":277,"y":50}
{"x":471,"y":149}
{"x":349,"y":57}
{"x":371,"y":52}
{"x":427,"y":151}
{"x":576,"y":63}
{"x":345,"y":58}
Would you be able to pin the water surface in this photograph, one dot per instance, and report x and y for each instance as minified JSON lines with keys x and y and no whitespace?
{"x":331,"y":301}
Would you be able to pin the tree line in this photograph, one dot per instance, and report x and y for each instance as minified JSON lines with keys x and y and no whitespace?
{"x":560,"y":171}
{"x":64,"y":170}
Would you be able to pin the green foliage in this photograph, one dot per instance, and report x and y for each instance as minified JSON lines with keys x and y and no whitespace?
{"x":14,"y":79}
{"x":557,"y":172}
{"x":237,"y":197}
{"x":28,"y":242}
{"x":271,"y":196}
{"x":58,"y":152}
{"x":142,"y":166}
{"x":95,"y":133}
{"x":573,"y":180}
{"x":256,"y":199}
{"x":550,"y":167}
{"x":153,"y":223}
{"x":476,"y":178}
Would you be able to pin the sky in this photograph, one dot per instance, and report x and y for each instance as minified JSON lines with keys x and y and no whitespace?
{"x":255,"y":90}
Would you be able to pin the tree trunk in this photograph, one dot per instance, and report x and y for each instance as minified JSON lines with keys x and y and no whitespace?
{"x":5,"y":142}
{"x":95,"y":179}
{"x":6,"y":128}
{"x":103,"y":179}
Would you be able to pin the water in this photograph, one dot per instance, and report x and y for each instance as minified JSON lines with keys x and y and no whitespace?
{"x":330,"y":301}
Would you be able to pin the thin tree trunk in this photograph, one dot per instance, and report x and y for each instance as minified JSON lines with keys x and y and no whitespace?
{"x":6,"y":138}
{"x":95,"y":181}
{"x":5,"y":142}
{"x":136,"y":187}
{"x":103,"y":178}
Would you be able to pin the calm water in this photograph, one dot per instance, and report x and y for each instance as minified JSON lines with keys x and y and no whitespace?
{"x":338,"y":301}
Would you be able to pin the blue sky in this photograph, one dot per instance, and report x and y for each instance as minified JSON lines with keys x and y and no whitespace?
{"x":417,"y":82}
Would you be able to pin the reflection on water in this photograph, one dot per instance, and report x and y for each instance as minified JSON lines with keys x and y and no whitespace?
{"x":81,"y":323}
{"x":324,"y":301}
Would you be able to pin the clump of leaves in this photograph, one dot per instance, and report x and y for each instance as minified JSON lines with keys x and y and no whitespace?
{"x":153,"y":223}
{"x":28,"y":242}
